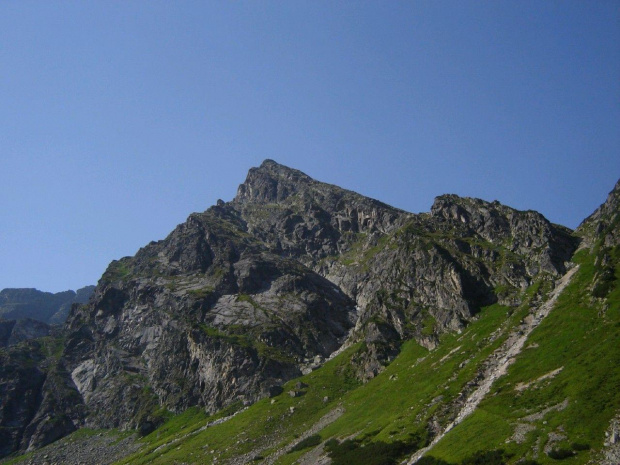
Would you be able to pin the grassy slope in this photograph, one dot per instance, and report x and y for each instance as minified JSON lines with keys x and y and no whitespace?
{"x":580,"y":336}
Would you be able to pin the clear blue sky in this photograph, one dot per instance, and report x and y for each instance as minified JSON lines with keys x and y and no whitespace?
{"x":118,"y":119}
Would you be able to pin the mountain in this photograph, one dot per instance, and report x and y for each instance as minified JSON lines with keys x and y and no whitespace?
{"x":42,"y":306}
{"x":403,"y":328}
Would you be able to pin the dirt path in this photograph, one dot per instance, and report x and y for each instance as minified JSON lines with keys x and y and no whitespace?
{"x":498,"y":362}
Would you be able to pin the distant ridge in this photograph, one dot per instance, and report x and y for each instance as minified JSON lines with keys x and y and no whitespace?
{"x":50,"y":308}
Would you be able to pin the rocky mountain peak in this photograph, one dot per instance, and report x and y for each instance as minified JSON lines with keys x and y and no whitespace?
{"x":271,"y":183}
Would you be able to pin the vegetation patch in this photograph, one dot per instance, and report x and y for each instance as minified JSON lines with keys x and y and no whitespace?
{"x":200,"y":294}
{"x":118,"y":270}
{"x":580,"y":334}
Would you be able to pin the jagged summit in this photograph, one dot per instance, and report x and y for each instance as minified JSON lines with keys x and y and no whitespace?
{"x":274,"y":166}
{"x":271,"y":183}
{"x":497,"y":223}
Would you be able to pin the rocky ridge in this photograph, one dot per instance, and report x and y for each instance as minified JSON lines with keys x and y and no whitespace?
{"x":20,"y":303}
{"x":601,"y":233}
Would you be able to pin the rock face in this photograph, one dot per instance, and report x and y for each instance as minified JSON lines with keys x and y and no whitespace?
{"x":42,"y":306}
{"x":255,"y":291}
{"x":38,"y":402}
{"x":604,"y":223}
{"x":209,"y":316}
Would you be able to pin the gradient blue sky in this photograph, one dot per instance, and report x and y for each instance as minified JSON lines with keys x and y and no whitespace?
{"x":118,"y":119}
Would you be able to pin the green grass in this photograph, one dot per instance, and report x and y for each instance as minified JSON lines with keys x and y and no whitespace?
{"x":234,"y":339}
{"x":53,"y":346}
{"x":428,"y":325}
{"x":388,"y":407}
{"x":118,"y":270}
{"x":200,"y":294}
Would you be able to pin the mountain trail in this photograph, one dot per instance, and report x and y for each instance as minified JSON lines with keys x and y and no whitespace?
{"x":498,"y":362}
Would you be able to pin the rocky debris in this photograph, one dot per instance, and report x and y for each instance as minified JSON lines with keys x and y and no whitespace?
{"x":553,"y":438}
{"x":316,"y":456}
{"x":210,"y":424}
{"x":521,"y":431}
{"x":299,"y":390}
{"x":551,"y":374}
{"x":610,"y":454}
{"x":88,"y":449}
{"x":325,"y":420}
{"x":540,"y":415}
